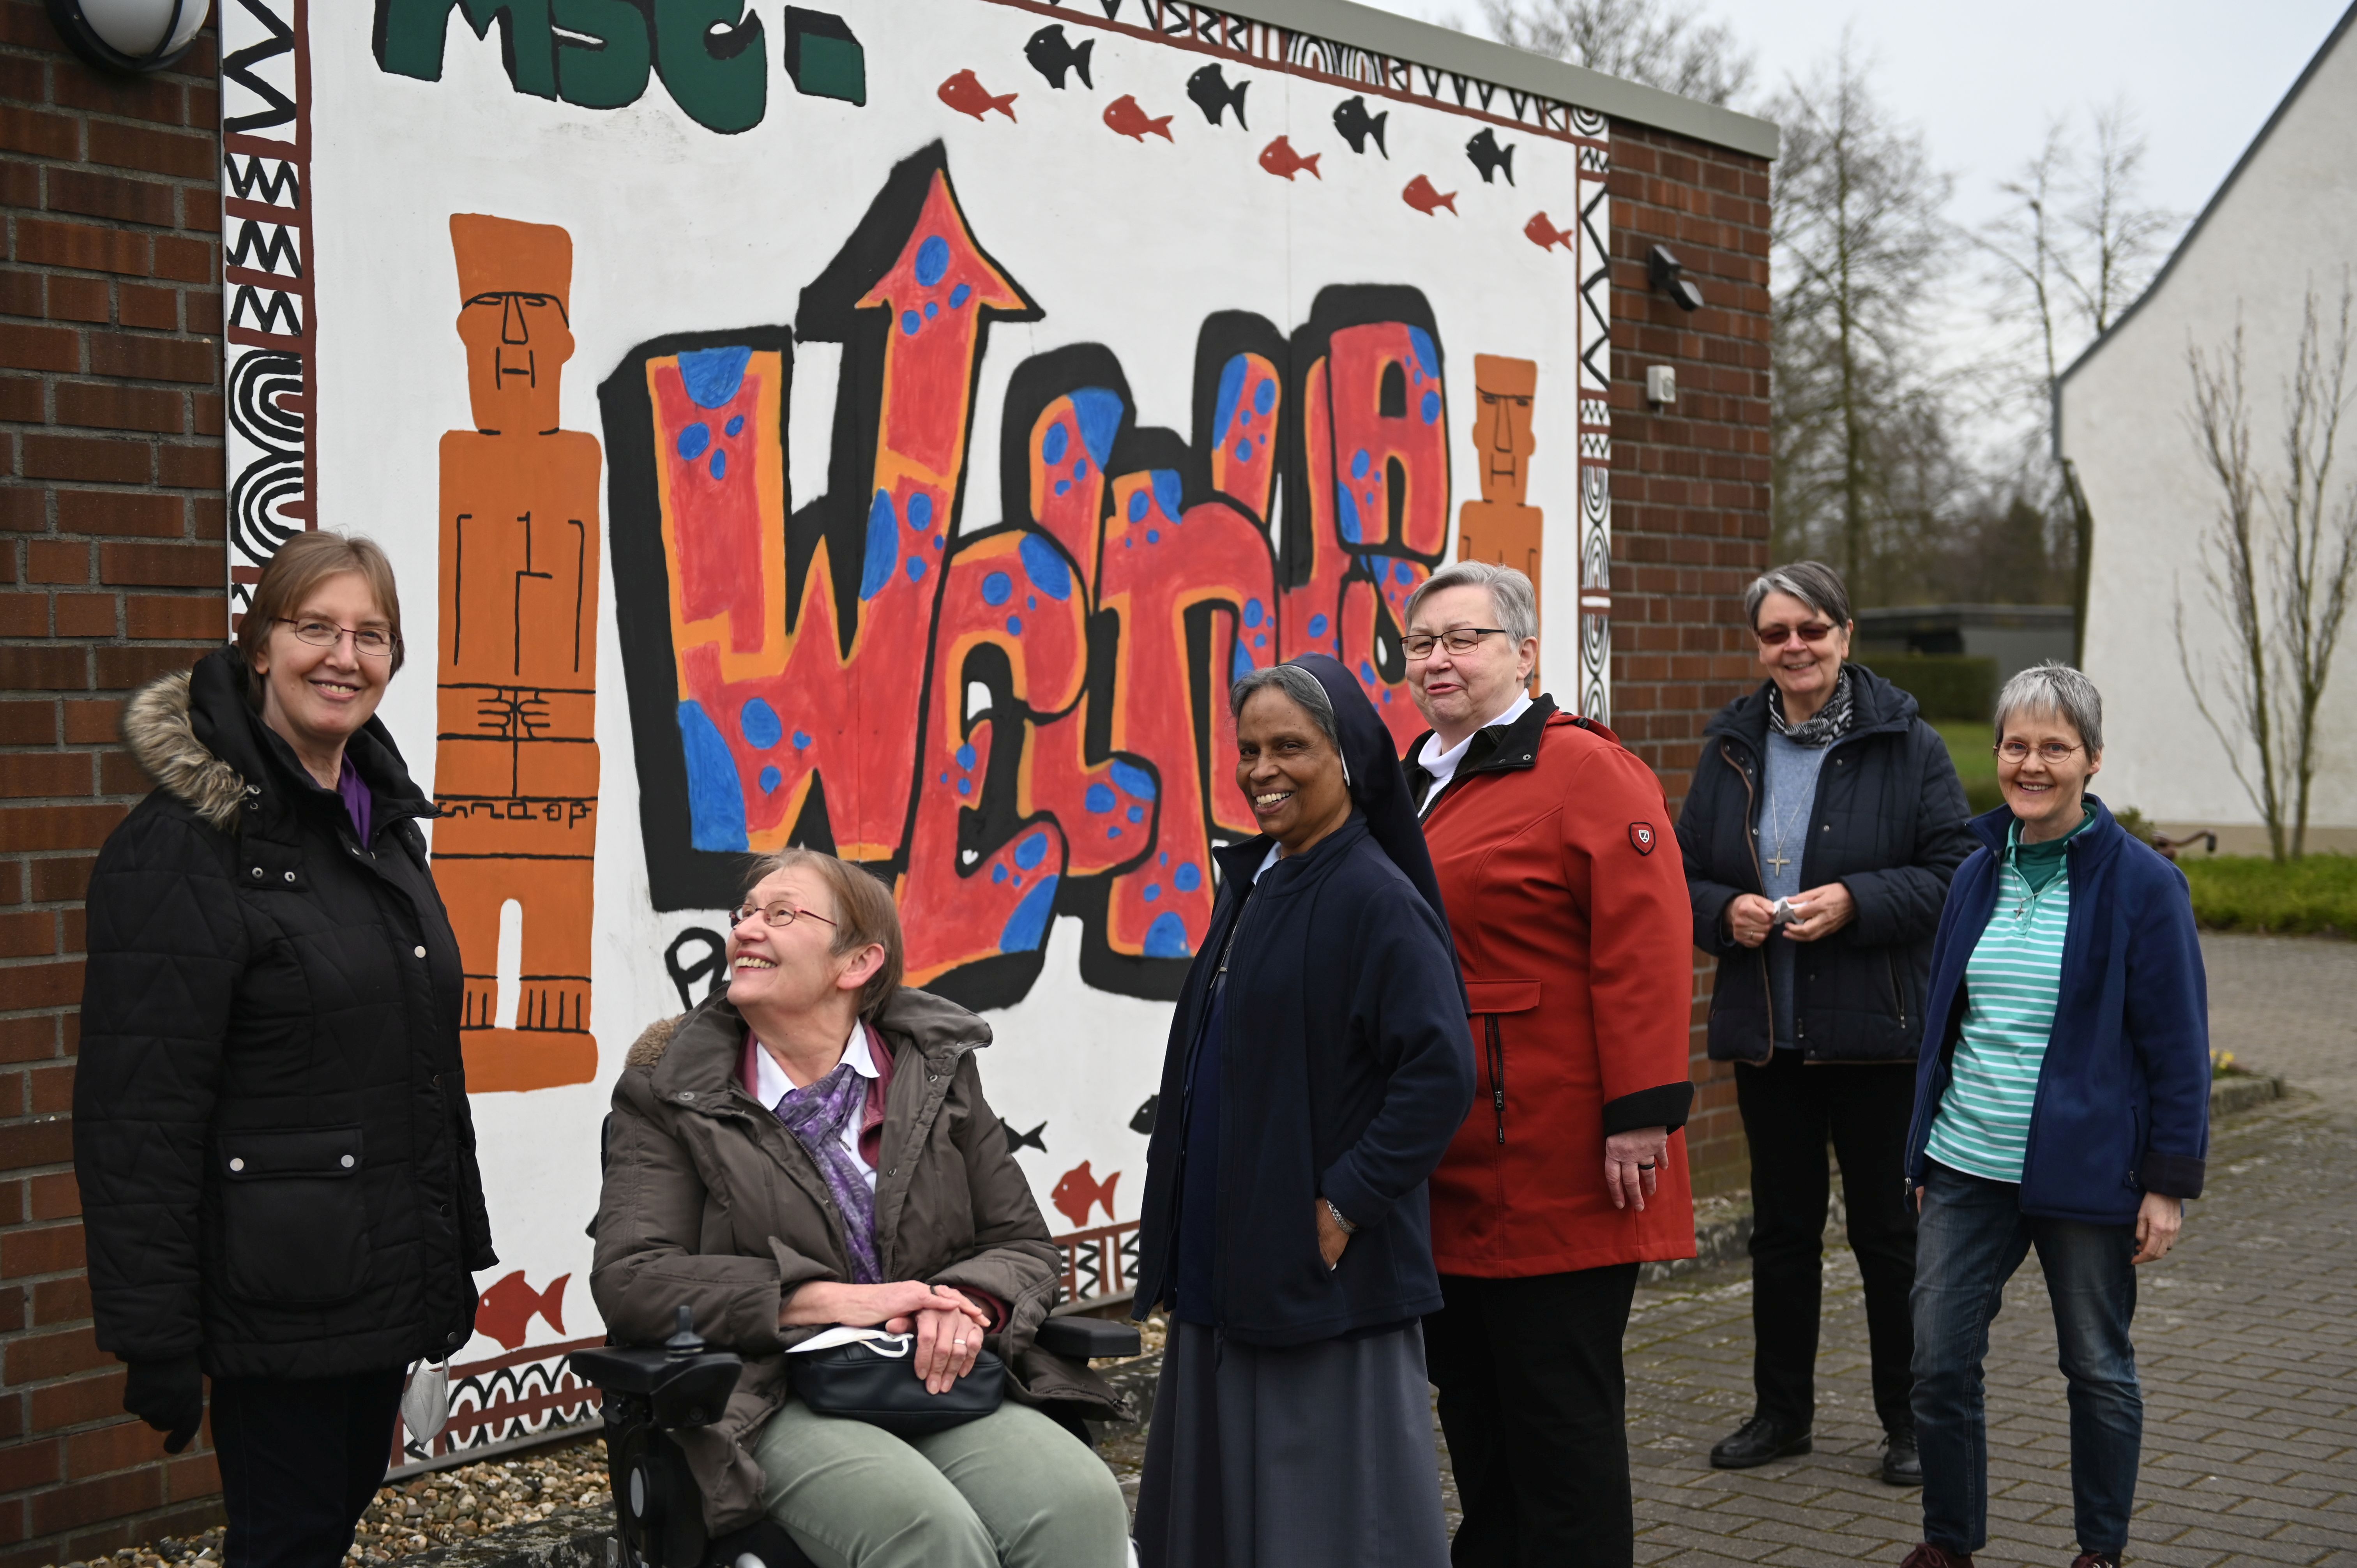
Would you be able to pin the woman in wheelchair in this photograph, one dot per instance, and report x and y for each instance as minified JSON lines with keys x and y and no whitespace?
{"x":812,"y":1149}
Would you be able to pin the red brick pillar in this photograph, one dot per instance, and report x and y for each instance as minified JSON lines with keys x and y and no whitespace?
{"x":1689,"y":493}
{"x":111,"y":571}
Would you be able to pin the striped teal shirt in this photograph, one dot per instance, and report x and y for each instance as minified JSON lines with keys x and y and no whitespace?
{"x":2011,"y":985}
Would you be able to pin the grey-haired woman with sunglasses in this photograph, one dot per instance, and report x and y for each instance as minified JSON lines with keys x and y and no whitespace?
{"x":1824,"y":821}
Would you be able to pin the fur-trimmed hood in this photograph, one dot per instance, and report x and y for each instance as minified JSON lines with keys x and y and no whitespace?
{"x":199,"y":738}
{"x":157,"y":728}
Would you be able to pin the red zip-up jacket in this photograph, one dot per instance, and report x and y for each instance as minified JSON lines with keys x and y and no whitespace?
{"x":1567,"y":902}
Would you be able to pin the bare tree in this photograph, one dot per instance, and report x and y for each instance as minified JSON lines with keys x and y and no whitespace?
{"x":2075,"y":246}
{"x":1662,"y":45}
{"x":1858,"y":243}
{"x":2276,"y":563}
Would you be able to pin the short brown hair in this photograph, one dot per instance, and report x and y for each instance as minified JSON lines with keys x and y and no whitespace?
{"x":863,"y":913}
{"x":302,"y":563}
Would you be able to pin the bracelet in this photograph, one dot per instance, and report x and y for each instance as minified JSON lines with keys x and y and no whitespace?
{"x":1348,"y":1228}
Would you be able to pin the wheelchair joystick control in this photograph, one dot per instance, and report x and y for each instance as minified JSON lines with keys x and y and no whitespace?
{"x":684,"y":1341}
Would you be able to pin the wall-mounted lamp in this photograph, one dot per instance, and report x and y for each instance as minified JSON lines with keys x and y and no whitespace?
{"x":129,"y":36}
{"x":1661,"y":267}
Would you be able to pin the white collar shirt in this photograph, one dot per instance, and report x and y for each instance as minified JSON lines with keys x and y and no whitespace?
{"x":772,"y":1085}
{"x":1441,"y":763}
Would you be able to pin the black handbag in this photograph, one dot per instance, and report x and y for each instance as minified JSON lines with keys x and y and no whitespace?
{"x":872,"y":1380}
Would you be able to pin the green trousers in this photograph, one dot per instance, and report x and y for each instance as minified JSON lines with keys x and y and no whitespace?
{"x":1010,"y":1490}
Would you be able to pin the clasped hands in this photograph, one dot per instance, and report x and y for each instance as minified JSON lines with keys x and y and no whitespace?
{"x":1819,"y":912}
{"x":948,"y":1326}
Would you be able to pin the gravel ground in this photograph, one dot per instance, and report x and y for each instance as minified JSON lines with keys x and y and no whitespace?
{"x":446,"y":1507}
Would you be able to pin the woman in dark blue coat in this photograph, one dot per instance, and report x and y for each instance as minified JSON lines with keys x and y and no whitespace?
{"x":2064,"y":1105}
{"x":1318,"y":1065}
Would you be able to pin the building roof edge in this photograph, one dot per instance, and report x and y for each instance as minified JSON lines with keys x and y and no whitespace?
{"x":1445,"y":48}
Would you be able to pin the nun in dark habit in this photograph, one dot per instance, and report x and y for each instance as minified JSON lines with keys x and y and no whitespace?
{"x":1319,"y":1063}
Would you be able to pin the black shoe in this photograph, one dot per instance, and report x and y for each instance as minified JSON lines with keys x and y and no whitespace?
{"x":1759,"y":1441}
{"x":1901,"y":1465}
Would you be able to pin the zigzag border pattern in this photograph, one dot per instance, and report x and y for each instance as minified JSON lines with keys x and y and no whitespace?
{"x":1595,"y":433}
{"x":271,"y":330}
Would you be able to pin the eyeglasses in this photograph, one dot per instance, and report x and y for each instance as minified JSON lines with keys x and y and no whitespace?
{"x":1815,"y":631}
{"x":369,"y":642}
{"x":774,"y":914}
{"x":2053,"y":752}
{"x":1460,"y":639}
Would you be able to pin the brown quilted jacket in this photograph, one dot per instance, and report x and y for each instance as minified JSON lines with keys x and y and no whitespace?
{"x":708,"y":1200}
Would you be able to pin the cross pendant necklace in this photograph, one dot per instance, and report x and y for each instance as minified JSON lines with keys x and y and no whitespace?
{"x":1779,"y":862}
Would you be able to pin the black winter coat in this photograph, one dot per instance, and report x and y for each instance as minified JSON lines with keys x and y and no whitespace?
{"x":271,"y":1129}
{"x":1889,"y":824}
{"x":1346,"y":1069}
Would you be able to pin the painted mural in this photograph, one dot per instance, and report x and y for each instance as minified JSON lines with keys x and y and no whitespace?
{"x":919,"y":412}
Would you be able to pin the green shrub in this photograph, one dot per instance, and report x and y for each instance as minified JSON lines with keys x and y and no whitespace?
{"x":2316,"y":895}
{"x":1944,"y":685}
{"x":1968,"y":749}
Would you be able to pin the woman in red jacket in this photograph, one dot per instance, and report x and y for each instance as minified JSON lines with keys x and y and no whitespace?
{"x":1568,"y":910}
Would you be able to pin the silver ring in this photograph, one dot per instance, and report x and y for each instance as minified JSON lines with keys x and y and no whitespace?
{"x":960,"y":1343}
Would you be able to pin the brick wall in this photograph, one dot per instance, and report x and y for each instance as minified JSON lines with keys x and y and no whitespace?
{"x":1689,"y":493}
{"x":110,"y":571}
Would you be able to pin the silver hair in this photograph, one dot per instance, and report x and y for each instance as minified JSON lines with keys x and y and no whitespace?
{"x":2055,"y":688}
{"x":1296,"y":683}
{"x":1511,"y":595}
{"x":1812,"y":583}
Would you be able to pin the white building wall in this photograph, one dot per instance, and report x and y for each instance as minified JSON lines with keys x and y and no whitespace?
{"x":2287,"y":223}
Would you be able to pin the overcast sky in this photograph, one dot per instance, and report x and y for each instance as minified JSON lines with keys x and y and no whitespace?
{"x":1983,"y":83}
{"x":1984,"y":80}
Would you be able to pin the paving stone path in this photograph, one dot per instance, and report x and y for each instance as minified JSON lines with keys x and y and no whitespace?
{"x":2246,"y":1338}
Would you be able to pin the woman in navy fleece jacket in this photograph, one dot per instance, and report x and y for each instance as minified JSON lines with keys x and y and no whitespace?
{"x":2064,"y":1105}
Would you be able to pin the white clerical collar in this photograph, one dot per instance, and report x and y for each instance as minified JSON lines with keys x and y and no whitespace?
{"x":772,"y":1084}
{"x":1441,"y":762}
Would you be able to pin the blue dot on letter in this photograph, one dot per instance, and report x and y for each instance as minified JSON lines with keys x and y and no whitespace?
{"x":1166,"y":937}
{"x":1243,"y":449}
{"x":933,"y":260}
{"x":1056,"y":443}
{"x":801,"y":741}
{"x":998,"y":874}
{"x":1431,"y":406}
{"x":966,"y":757}
{"x":933,"y":308}
{"x":1031,"y":851}
{"x":758,"y":721}
{"x":916,"y":568}
{"x":1137,"y":814}
{"x":1153,"y":891}
{"x":965,"y":787}
{"x":771,"y":779}
{"x":1264,"y":395}
{"x":1015,"y":626}
{"x":1189,"y":878}
{"x":1137,"y":503}
{"x":1045,"y":567}
{"x":1317,"y":626}
{"x":997,"y":588}
{"x":694,"y":440}
{"x":1366,"y":672}
{"x":1134,"y":778}
{"x":735,"y":426}
{"x":1359,"y":462}
{"x":719,"y":465}
{"x":910,"y":321}
{"x":960,"y":295}
{"x":1099,"y":799}
{"x":1253,"y":612}
{"x":920,"y":511}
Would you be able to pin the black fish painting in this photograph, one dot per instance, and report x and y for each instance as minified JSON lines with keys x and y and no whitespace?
{"x":1144,"y":1121}
{"x":1490,"y":157}
{"x":1051,"y":55}
{"x":1031,"y":1140}
{"x":1210,"y":90}
{"x":1351,"y":118}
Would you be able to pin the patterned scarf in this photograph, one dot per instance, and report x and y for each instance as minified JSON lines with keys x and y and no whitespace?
{"x":1825,"y":726}
{"x":816,"y":1116}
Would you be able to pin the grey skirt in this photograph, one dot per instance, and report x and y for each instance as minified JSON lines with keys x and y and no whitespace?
{"x":1313,"y":1456}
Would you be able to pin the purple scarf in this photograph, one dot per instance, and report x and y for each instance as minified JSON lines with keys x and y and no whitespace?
{"x":817,"y":1115}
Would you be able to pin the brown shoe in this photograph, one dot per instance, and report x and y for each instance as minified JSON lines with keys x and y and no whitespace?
{"x":2097,"y":1559}
{"x":1930,"y":1556}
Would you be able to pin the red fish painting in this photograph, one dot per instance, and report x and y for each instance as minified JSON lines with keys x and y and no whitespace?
{"x":1279,"y":158}
{"x":1077,"y":1192}
{"x":1420,"y":195}
{"x":965,"y":93}
{"x":507,"y":1309}
{"x":1545,"y":235}
{"x":1124,"y":116}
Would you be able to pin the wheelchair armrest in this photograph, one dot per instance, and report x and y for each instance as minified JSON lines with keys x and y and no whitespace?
{"x":1084,"y":1339}
{"x":679,"y":1391}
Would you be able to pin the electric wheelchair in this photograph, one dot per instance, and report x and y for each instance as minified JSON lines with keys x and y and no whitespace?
{"x":651,"y":1391}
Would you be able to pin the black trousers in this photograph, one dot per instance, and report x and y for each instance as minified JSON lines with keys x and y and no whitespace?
{"x":300,"y":1458}
{"x":1532,"y":1402}
{"x":1791,"y":1112}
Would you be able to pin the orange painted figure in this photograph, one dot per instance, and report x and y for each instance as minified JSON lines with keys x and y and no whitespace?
{"x":1499,"y":528}
{"x":516,"y":753}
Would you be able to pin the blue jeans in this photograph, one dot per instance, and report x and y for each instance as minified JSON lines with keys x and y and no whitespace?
{"x":1970,"y":1238}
